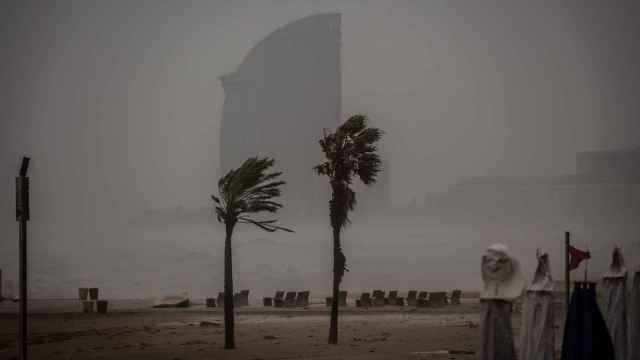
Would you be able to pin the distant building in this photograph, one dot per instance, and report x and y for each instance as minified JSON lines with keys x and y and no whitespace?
{"x":620,"y":163}
{"x":284,"y":93}
{"x":607,"y":186}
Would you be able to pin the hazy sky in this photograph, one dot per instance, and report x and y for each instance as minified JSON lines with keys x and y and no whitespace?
{"x":123,"y":97}
{"x":119,"y":103}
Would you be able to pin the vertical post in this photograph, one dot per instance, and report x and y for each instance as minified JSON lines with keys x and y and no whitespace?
{"x":567,"y":272}
{"x":22,"y":216}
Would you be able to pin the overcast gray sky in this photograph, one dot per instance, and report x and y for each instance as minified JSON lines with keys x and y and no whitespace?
{"x":124,"y":98}
{"x":119,"y":102}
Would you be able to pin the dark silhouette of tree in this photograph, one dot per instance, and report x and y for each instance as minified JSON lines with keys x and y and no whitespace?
{"x":242,"y":192}
{"x":349,"y":152}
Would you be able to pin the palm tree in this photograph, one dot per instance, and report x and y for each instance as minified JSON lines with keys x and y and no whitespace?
{"x":349,"y":151}
{"x":241,"y":192}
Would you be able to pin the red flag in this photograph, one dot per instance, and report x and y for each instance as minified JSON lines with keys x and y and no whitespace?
{"x":576,"y":256}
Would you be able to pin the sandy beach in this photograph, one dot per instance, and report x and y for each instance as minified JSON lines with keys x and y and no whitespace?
{"x":134,"y":330}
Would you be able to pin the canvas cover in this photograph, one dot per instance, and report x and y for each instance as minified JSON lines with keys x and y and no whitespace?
{"x":615,"y":308}
{"x":496,"y":333}
{"x":615,"y":304}
{"x":501,"y":274}
{"x":634,"y":319}
{"x":585,"y":333}
{"x":537,"y":336}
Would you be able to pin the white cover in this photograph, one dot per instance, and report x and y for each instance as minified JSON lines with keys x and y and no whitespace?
{"x":542,"y":280}
{"x":615,"y":313}
{"x":634,"y":323}
{"x":537,"y":336}
{"x":617,"y":269}
{"x":501,"y":274}
{"x":496,"y":333}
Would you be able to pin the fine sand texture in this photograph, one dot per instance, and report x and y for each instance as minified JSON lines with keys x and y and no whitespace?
{"x":60,"y":331}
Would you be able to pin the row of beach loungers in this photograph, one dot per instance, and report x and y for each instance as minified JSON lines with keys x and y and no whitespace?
{"x":288,"y":299}
{"x":239,"y":299}
{"x":375,"y":299}
{"x":414,"y":299}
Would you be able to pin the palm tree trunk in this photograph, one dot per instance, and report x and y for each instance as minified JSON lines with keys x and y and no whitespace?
{"x":229,"y":338}
{"x":333,"y":326}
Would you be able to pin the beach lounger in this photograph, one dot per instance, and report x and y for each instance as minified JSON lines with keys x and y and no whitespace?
{"x":455,"y":297}
{"x":422,"y":300}
{"x":364,"y":301}
{"x":342,"y":298}
{"x":303,"y":298}
{"x":393,"y":294}
{"x":211,"y":302}
{"x":438,"y":299}
{"x":290,"y":299}
{"x":243,"y":298}
{"x":278,"y":299}
{"x":267,"y":301}
{"x":378,"y":298}
{"x":411,"y":298}
{"x":399,"y":301}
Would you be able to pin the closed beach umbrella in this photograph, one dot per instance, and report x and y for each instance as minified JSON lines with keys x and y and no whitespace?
{"x":615,"y":304}
{"x":537,"y":340}
{"x":503,"y":283}
{"x":586,"y":336}
{"x":634,"y":323}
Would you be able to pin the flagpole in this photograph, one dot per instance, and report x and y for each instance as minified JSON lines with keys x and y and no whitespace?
{"x":567,"y":272}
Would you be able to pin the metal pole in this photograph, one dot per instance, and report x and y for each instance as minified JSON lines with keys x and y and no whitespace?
{"x":23,"y":290}
{"x":567,"y":272}
{"x":22,"y":215}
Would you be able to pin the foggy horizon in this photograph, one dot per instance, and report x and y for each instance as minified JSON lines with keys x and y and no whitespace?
{"x":120,"y":106}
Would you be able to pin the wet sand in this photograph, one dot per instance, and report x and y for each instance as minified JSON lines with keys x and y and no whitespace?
{"x":134,"y":330}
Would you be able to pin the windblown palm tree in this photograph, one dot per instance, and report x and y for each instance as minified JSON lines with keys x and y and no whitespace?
{"x":242,"y":192}
{"x":349,"y":152}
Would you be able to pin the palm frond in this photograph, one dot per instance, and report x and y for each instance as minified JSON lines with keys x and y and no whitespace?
{"x":249,"y":189}
{"x":349,"y":151}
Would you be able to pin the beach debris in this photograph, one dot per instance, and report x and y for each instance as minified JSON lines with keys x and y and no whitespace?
{"x":444,"y":352}
{"x":210,"y":324}
{"x":181,"y":300}
{"x":370,"y":340}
